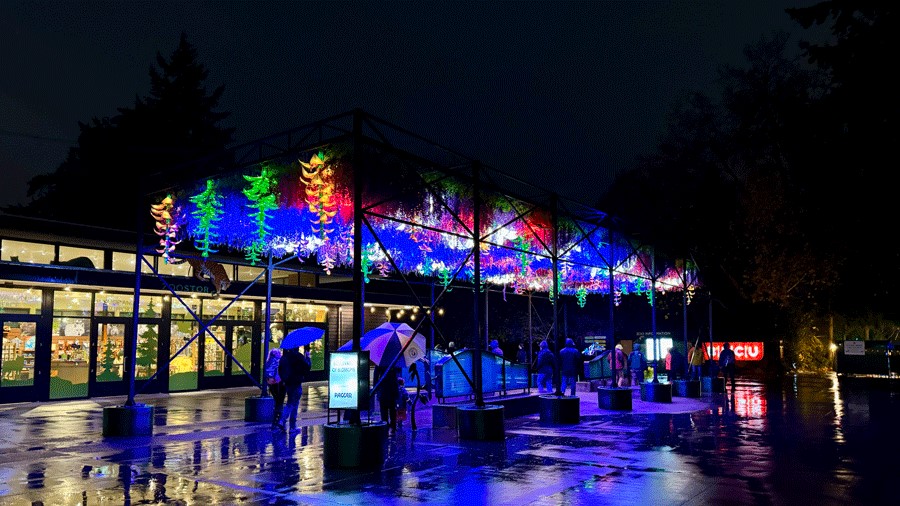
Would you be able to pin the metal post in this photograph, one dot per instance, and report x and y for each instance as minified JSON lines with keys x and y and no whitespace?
{"x":653,"y":314}
{"x":710,"y":364}
{"x":359,"y":288}
{"x":530,"y":338}
{"x":557,"y":380}
{"x":684,"y":309}
{"x":487,"y":331}
{"x":476,"y":236}
{"x":136,"y":304}
{"x":611,"y":338}
{"x":267,"y":332}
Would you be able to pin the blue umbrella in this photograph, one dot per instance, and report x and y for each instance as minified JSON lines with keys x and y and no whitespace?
{"x":301,"y":337}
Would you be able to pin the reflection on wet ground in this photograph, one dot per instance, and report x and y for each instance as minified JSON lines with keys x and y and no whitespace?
{"x":804,"y":440}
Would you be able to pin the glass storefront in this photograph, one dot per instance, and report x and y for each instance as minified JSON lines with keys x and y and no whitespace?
{"x":62,"y":342}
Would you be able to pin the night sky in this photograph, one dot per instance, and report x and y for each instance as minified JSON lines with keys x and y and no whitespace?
{"x":563,"y":94}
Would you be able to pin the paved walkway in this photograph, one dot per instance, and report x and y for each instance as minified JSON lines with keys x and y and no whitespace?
{"x":203,"y":452}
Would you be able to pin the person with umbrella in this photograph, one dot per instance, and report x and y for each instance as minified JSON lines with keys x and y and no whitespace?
{"x":292,"y":368}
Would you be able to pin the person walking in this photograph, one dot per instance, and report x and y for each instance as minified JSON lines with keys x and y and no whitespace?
{"x":521,"y":355}
{"x":569,"y":362}
{"x":727,"y":363}
{"x":387,"y":394}
{"x":274,"y":384}
{"x":619,"y":353}
{"x":545,"y":367}
{"x":637,"y":364}
{"x":695,"y":357}
{"x":292,"y":368}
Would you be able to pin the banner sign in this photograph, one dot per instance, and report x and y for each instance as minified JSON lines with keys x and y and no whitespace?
{"x":743,"y":350}
{"x":348,"y":380}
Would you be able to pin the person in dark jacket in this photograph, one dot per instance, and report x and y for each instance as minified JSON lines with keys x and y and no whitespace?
{"x":637,"y":364}
{"x":292,"y":369}
{"x":569,"y":362}
{"x":727,"y":363}
{"x":545,"y":366}
{"x":387,"y":394}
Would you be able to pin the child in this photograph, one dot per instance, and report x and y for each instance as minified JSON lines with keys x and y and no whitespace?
{"x":402,"y":402}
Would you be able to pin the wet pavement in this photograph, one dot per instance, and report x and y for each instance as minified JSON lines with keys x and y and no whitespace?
{"x":805,"y":440}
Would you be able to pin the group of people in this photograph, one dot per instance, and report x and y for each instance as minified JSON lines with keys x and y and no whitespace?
{"x":285,"y":371}
{"x":570,"y":365}
{"x":629,"y":368}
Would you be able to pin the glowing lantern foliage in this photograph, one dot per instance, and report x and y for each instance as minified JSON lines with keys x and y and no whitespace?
{"x":262,"y":199}
{"x":209,"y":211}
{"x":166,"y":227}
{"x":319,"y":193}
{"x":581,"y":296}
{"x":427,"y":231}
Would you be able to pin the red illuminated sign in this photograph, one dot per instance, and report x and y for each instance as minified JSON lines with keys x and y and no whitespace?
{"x":742,"y":350}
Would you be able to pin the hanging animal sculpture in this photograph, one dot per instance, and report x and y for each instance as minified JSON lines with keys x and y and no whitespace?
{"x":212,"y":271}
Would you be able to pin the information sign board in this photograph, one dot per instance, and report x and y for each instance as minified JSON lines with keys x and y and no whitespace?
{"x":854,"y":347}
{"x":348,"y":380}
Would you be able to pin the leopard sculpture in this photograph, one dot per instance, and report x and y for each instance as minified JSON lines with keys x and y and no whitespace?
{"x":212,"y":271}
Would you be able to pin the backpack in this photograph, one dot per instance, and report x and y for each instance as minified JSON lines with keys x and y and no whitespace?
{"x":272,"y":376}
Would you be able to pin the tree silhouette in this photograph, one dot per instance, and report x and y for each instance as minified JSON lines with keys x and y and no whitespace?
{"x":146,"y":351}
{"x":140,"y":149}
{"x":107,"y":363}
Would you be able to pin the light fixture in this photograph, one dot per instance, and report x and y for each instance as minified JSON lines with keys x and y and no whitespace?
{"x":441,"y":311}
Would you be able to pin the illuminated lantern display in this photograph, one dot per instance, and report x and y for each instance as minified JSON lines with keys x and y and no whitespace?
{"x":166,"y":227}
{"x":305,"y":209}
{"x":319,"y":193}
{"x":581,"y":296}
{"x":262,"y":199}
{"x":209,"y":211}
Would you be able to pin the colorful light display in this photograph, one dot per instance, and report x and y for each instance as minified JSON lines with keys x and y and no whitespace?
{"x":426,"y":230}
{"x":167,"y":227}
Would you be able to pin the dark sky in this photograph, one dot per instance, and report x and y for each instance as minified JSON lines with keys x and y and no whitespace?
{"x":563,"y":94}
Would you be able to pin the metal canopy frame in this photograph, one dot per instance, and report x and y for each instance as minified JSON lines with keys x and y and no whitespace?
{"x":424,"y":165}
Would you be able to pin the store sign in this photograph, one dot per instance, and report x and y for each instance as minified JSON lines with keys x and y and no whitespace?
{"x":348,"y":380}
{"x":854,"y":347}
{"x":743,"y":350}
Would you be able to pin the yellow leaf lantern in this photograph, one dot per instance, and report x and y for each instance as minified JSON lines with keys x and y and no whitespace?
{"x":317,"y":177}
{"x":166,"y":227}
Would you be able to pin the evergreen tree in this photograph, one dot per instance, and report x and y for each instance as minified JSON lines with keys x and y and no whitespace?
{"x":147,"y":344}
{"x":108,"y":363}
{"x":170,"y":136}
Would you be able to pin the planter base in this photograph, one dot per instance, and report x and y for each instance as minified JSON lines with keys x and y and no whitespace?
{"x":685,"y":388}
{"x":618,"y":399}
{"x":485,"y":423}
{"x":560,"y":410}
{"x":713,"y":385}
{"x":259,"y":409}
{"x":656,"y":392}
{"x":128,"y":421}
{"x":348,"y":446}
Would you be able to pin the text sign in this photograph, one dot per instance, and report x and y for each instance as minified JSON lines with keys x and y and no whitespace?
{"x":854,"y":347}
{"x":743,"y":350}
{"x":660,"y":345}
{"x":348,"y":380}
